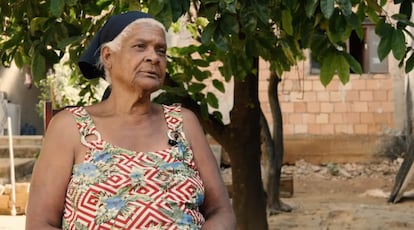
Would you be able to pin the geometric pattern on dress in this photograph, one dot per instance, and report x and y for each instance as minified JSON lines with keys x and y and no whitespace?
{"x":116,"y":188}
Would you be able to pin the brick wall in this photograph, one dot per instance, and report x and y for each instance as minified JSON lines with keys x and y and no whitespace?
{"x":363,"y":106}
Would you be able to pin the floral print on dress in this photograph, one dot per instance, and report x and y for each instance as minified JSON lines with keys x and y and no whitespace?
{"x":115,"y":188}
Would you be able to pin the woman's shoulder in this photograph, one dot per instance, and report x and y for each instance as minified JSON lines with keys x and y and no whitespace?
{"x":188,"y":114}
{"x":189,"y":118}
{"x":63,"y":116}
{"x":61,"y":121}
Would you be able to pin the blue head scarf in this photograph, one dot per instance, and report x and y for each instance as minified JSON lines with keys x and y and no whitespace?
{"x":114,"y":26}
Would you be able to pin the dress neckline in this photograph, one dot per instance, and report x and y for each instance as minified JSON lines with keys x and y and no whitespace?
{"x":105,"y":144}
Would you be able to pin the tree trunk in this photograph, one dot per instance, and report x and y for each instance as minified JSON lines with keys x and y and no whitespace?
{"x":274,"y":203}
{"x":244,"y":151}
{"x":408,"y":120}
{"x":241,"y":140}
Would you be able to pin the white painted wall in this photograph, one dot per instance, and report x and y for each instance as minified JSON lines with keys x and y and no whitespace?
{"x":11,"y":82}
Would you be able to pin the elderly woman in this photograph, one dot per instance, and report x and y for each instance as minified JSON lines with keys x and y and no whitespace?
{"x":127,"y":163}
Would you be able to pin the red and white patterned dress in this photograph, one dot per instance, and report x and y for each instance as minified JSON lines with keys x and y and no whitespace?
{"x":116,"y":188}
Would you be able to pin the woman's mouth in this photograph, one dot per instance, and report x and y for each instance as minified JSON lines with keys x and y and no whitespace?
{"x":151,"y":74}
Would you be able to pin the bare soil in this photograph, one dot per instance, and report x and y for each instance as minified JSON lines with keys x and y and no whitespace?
{"x":345,"y":196}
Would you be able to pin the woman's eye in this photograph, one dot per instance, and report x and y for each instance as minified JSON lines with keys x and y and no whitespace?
{"x":140,"y":45}
{"x":162,"y":52}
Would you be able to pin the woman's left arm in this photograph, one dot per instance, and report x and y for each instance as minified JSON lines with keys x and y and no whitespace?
{"x":216,"y":208}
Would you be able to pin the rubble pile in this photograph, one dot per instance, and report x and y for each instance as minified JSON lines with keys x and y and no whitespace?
{"x":344,"y":171}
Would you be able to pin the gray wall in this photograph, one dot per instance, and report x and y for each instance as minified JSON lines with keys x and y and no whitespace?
{"x":12,"y":82}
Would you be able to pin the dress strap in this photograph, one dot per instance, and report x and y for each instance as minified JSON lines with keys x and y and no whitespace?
{"x":86,"y":126}
{"x":174,"y":119}
{"x":173,"y":116}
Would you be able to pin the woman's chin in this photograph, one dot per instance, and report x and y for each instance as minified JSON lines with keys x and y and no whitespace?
{"x":148,"y":87}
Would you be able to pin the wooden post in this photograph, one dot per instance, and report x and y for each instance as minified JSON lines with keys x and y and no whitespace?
{"x":12,"y":177}
{"x":48,"y":113}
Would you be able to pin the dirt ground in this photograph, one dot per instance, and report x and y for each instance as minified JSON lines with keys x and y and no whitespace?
{"x":331,"y":197}
{"x":347,"y":196}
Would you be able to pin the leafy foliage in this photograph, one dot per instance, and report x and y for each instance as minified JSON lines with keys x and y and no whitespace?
{"x":38,"y":33}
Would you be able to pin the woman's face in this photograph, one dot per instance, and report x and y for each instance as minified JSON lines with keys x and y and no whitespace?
{"x":141,"y":60}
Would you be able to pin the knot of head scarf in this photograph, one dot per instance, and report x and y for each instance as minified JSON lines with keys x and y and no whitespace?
{"x":114,"y":26}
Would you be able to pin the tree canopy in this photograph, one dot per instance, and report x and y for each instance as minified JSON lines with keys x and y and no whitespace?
{"x":37,"y":34}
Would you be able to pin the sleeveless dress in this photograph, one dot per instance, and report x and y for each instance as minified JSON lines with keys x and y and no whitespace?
{"x":117,"y":188}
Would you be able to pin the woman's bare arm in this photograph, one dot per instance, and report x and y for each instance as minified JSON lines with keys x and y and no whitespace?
{"x":216,"y":208}
{"x":51,"y":174}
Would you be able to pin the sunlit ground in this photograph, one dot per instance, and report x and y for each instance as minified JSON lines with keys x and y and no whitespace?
{"x":12,"y":222}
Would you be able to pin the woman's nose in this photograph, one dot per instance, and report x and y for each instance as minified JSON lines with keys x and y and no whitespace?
{"x":152,"y":57}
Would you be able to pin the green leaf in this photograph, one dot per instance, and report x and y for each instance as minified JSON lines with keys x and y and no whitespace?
{"x":339,"y":31}
{"x":208,"y":33}
{"x":252,"y":47}
{"x":398,"y":44}
{"x":328,"y":67}
{"x":218,"y":85}
{"x":291,"y":4}
{"x":166,"y":15}
{"x":345,"y":6}
{"x":409,"y":64}
{"x":205,"y":2}
{"x":383,"y":29}
{"x":373,"y":15}
{"x":221,"y":41}
{"x":361,"y":12}
{"x":155,"y":7}
{"x":218,"y":116}
{"x":310,"y":7}
{"x":402,"y":18}
{"x":196,"y":87}
{"x":18,"y":59}
{"x":37,"y":24}
{"x":353,"y":63}
{"x":342,"y":68}
{"x":51,"y":57}
{"x":201,"y":62}
{"x":208,"y":10}
{"x":287,"y":50}
{"x":406,"y":8}
{"x":383,"y":2}
{"x":373,"y":4}
{"x":212,"y":100}
{"x":179,"y":8}
{"x":353,"y":20}
{"x":287,"y":22}
{"x":200,"y":75}
{"x":56,"y":7}
{"x":226,"y":71}
{"x":228,"y":24}
{"x":68,"y":41}
{"x":38,"y":67}
{"x":327,"y":7}
{"x":248,"y":20}
{"x":262,"y":12}
{"x":230,"y":7}
{"x":384,"y":47}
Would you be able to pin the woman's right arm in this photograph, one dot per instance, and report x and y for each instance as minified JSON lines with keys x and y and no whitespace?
{"x":51,"y":174}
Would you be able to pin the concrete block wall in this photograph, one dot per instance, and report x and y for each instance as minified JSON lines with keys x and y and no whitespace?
{"x":365,"y":105}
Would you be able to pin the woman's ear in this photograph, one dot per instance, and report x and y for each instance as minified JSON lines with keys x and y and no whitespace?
{"x":106,"y":54}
